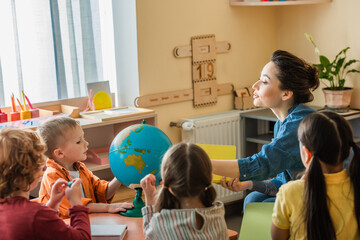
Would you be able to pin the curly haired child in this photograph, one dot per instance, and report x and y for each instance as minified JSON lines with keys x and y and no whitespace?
{"x":21,"y":165}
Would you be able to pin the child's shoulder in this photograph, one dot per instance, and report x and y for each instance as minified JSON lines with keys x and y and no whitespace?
{"x":54,"y":171}
{"x":80,"y":165}
{"x":52,"y":165}
{"x":293,"y":187}
{"x":23,"y":204}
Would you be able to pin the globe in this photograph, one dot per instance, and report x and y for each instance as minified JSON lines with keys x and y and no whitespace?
{"x":137,"y":151}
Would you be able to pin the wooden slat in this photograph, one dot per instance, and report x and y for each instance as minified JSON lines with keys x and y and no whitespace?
{"x":164,"y":98}
{"x":177,"y":96}
{"x":185,"y":51}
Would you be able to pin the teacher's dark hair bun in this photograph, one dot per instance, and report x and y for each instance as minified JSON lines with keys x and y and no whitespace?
{"x":296,"y":75}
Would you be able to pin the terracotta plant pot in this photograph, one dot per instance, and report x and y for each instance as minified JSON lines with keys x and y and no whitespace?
{"x":338,"y":100}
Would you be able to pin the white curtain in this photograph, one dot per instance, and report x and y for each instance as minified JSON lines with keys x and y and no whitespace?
{"x":50,"y":49}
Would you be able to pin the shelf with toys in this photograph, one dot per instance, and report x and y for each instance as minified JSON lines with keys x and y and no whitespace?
{"x":100,"y":128}
{"x":275,"y":3}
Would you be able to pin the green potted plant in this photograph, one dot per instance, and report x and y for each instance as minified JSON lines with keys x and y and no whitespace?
{"x":337,"y":96}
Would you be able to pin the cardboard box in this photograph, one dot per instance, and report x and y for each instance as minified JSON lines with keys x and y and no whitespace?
{"x":244,"y":98}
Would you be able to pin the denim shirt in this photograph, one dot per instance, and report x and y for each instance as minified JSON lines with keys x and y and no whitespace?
{"x":282,"y":155}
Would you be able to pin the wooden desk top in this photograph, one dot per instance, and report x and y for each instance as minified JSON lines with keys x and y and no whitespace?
{"x":135,"y":228}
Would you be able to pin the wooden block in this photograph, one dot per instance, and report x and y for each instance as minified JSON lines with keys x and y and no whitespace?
{"x":248,"y":102}
{"x":244,"y":98}
{"x":71,"y":111}
{"x":241,"y":92}
{"x":204,"y":71}
{"x":205,"y":93}
{"x":203,"y":48}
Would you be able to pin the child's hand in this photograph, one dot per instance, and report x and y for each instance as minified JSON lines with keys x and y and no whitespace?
{"x":233,"y":184}
{"x":148,"y":185}
{"x":57,"y":194}
{"x":73,"y":193}
{"x":119,"y":207}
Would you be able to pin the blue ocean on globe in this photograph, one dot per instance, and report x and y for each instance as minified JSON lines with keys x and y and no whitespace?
{"x":137,"y":151}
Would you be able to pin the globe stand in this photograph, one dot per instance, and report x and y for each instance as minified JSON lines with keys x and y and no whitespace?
{"x":138,"y":205}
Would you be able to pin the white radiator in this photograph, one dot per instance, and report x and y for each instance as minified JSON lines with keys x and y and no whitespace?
{"x":221,"y":129}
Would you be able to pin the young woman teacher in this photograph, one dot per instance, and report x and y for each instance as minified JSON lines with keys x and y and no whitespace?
{"x":286,"y":82}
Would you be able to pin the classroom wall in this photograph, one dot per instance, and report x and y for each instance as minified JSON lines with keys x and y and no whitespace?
{"x":165,"y":24}
{"x":333,"y":26}
{"x":254,"y":33}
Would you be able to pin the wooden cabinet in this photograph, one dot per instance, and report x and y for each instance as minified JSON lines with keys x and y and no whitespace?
{"x":276,"y":3}
{"x":256,"y":128}
{"x":100,"y":135}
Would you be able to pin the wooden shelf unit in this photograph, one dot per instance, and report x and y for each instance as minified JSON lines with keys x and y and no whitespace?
{"x":276,"y":3}
{"x":100,"y":134}
{"x":256,"y":125}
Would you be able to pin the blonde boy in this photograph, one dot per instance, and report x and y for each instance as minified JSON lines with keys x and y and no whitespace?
{"x":66,"y":148}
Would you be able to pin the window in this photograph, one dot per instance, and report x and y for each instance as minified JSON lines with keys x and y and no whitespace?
{"x":50,"y":49}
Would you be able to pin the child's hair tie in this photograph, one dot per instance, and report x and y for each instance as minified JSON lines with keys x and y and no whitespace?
{"x":210,"y":186}
{"x":168,"y":188}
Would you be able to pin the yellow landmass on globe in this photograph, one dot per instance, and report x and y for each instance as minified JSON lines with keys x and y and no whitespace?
{"x":127,"y":135}
{"x":135,"y":161}
{"x":143,"y":151}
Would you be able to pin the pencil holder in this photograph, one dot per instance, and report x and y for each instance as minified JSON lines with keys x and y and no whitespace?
{"x":25,"y":115}
{"x":14,"y":116}
{"x":35,"y":113}
{"x":3,"y":117}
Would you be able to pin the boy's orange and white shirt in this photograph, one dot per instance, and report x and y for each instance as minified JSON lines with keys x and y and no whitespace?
{"x":94,"y":188}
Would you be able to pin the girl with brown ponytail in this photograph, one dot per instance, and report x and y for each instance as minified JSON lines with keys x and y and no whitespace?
{"x":325,"y":203}
{"x":185,"y":206}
